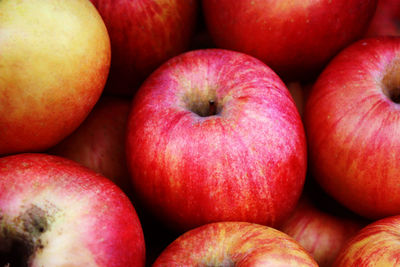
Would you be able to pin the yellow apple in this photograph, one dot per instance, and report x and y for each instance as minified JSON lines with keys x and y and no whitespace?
{"x":54,"y":61}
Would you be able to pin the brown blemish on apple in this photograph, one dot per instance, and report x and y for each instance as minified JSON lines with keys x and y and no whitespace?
{"x":34,"y":221}
{"x":20,"y":239}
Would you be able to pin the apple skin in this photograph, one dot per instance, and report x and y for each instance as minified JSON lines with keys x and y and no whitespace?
{"x":351,"y":125}
{"x":234,"y":244}
{"x":386,"y":21}
{"x":190,"y":167}
{"x":144,"y":34}
{"x":54,"y":64}
{"x":295,"y":38}
{"x":375,"y":245}
{"x":99,"y":142}
{"x":71,"y":215}
{"x":321,"y":233}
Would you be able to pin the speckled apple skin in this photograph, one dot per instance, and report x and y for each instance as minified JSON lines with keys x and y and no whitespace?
{"x":234,"y":244}
{"x":374,"y":245}
{"x":352,"y":128}
{"x":295,"y":38}
{"x":246,"y":163}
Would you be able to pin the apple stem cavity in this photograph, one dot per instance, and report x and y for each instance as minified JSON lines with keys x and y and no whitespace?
{"x":212,"y":108}
{"x":395,"y":97}
{"x":204,"y":108}
{"x":391,"y":82}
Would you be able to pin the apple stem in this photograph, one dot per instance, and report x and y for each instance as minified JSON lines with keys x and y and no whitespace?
{"x":212,"y":107}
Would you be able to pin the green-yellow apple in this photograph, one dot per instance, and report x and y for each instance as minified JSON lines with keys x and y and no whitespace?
{"x":214,"y":135}
{"x":55,"y":212}
{"x":55,"y":57}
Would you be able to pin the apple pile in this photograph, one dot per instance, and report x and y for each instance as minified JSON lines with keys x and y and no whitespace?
{"x":199,"y":133}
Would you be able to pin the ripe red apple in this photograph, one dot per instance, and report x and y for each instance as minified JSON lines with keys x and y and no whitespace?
{"x":321,"y":233}
{"x":99,"y":142}
{"x":375,"y":245}
{"x":213,"y":135}
{"x":386,"y":21}
{"x":54,"y":212}
{"x":234,"y":244}
{"x":295,"y":38}
{"x":144,"y":34}
{"x":351,"y":124}
{"x":54,"y":62}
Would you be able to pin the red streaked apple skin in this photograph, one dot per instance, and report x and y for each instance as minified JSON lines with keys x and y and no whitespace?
{"x":144,"y":34}
{"x":90,"y":221}
{"x":246,"y":163}
{"x":352,"y":126}
{"x":99,"y":142}
{"x":55,"y":58}
{"x":386,"y":21}
{"x":322,"y":234}
{"x":295,"y":38}
{"x":375,"y":245}
{"x":234,"y":244}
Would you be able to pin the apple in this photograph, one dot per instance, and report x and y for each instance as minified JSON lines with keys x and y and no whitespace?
{"x":320,"y":232}
{"x":351,"y":124}
{"x":214,"y":135}
{"x":144,"y":34}
{"x":386,"y":21}
{"x":375,"y":245}
{"x":295,"y":38}
{"x":234,"y":244}
{"x":55,"y":57}
{"x":99,"y":142}
{"x":55,"y":212}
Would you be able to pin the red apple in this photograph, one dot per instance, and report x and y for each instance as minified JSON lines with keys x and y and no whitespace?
{"x":351,"y":124}
{"x":214,"y":135}
{"x":386,"y":21}
{"x":99,"y":143}
{"x":234,"y":244}
{"x":321,"y":233}
{"x":54,"y":212}
{"x":144,"y":34}
{"x":295,"y":38}
{"x":54,"y":62}
{"x":375,"y":245}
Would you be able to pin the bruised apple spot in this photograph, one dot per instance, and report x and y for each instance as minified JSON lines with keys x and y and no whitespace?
{"x":19,"y":242}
